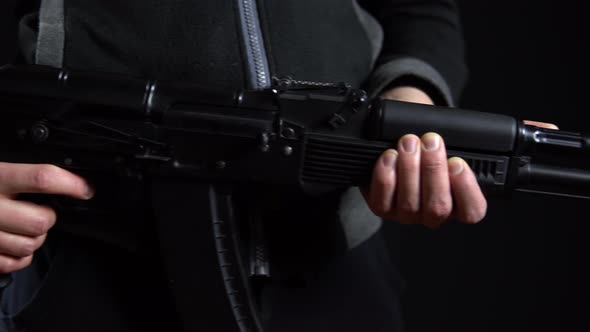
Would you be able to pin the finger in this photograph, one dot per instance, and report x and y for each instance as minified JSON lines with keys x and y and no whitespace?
{"x":437,"y":204}
{"x":25,"y":218}
{"x":9,"y":264}
{"x":541,"y":124}
{"x":383,"y":184}
{"x":407,"y":205}
{"x":470,"y":203}
{"x":19,"y":246}
{"x":44,"y":179}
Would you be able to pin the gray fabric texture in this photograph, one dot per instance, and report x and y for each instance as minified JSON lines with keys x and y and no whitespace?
{"x":51,"y":38}
{"x":373,"y":29}
{"x":28,"y":35}
{"x":358,"y":221}
{"x":388,"y":72}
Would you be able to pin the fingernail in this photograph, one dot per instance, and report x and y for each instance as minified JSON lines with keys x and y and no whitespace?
{"x":89,"y":191}
{"x":431,"y":141}
{"x":409,"y":144}
{"x":389,"y":158}
{"x":455,"y":165}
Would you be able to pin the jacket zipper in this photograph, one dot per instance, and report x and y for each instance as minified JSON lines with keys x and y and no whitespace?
{"x":257,"y":71}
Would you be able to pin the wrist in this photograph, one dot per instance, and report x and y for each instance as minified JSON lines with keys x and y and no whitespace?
{"x":408,"y":94}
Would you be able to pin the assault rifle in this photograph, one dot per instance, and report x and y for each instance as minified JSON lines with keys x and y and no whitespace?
{"x":317,"y":137}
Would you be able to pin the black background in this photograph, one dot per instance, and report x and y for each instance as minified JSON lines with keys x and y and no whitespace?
{"x":522,"y":268}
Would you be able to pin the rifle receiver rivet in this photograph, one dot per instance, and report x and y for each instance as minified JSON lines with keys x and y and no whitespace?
{"x":220,"y":164}
{"x":39,"y":132}
{"x":68,"y":161}
{"x":263,"y":140}
{"x":287,"y":150}
{"x":288,"y":132}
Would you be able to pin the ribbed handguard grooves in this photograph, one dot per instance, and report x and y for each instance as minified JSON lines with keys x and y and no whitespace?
{"x":485,"y":170}
{"x":339,"y":161}
{"x":489,"y":170}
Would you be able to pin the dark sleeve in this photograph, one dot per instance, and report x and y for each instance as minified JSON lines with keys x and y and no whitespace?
{"x":423,"y":46}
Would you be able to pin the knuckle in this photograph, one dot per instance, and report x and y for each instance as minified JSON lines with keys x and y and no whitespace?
{"x":49,"y":214}
{"x":3,"y":178}
{"x":4,"y":171}
{"x":8,"y":264}
{"x":439,"y":209}
{"x":433,"y":166}
{"x":473,"y":215}
{"x":40,"y":225}
{"x":42,"y":176}
{"x":384,"y":181}
{"x":408,"y":166}
{"x":28,"y":247}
